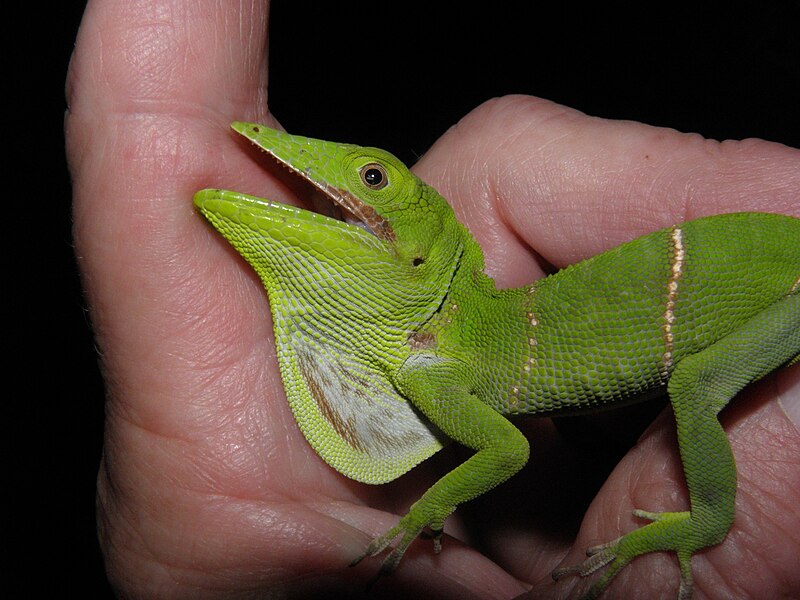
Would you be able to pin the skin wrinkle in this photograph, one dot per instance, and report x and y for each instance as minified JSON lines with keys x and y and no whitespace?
{"x":509,"y":226}
{"x":535,"y":158}
{"x":471,"y":178}
{"x":481,"y":170}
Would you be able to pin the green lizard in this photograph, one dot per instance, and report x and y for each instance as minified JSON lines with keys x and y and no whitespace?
{"x":392,"y":341}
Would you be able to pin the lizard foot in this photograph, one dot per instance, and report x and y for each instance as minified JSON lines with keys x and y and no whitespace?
{"x":409,"y":527}
{"x":668,"y":531}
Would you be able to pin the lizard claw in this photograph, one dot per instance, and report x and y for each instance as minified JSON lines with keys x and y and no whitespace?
{"x":619,"y":552}
{"x":599,"y":556}
{"x":379,"y":544}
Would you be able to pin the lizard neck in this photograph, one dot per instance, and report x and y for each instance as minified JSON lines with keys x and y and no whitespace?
{"x":491,"y":331}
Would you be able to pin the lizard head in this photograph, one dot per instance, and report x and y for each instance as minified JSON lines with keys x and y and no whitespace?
{"x":365,"y":184}
{"x":347,"y":295}
{"x":373,"y":194}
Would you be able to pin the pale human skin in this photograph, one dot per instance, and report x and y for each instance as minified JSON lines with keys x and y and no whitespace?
{"x":207,"y":489}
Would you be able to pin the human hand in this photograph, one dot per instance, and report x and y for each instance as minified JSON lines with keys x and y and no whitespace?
{"x":207,"y":488}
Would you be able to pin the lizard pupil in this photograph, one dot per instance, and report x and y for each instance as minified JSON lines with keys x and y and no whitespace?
{"x":374,"y":176}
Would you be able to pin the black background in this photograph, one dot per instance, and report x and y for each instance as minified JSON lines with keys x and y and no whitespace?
{"x":385,"y":74}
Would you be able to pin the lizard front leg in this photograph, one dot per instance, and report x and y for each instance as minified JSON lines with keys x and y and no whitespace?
{"x":701,"y":385}
{"x":439,"y":389}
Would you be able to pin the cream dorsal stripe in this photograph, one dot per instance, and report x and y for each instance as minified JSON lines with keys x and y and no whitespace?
{"x":678,"y":256}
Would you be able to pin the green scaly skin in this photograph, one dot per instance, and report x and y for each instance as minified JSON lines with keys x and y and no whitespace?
{"x":392,"y":341}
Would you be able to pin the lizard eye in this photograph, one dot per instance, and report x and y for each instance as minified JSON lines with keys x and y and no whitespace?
{"x":374,"y":176}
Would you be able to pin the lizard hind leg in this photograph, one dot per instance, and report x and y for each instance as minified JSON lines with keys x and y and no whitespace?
{"x":700,"y":386}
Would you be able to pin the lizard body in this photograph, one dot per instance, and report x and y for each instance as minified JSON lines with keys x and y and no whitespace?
{"x":392,"y":341}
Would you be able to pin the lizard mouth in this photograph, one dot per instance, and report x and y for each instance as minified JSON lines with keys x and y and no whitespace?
{"x":343,"y":206}
{"x":333,"y":202}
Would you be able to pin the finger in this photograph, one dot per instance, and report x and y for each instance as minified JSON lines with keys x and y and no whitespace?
{"x":169,"y":57}
{"x":526,"y":173}
{"x":151,"y":89}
